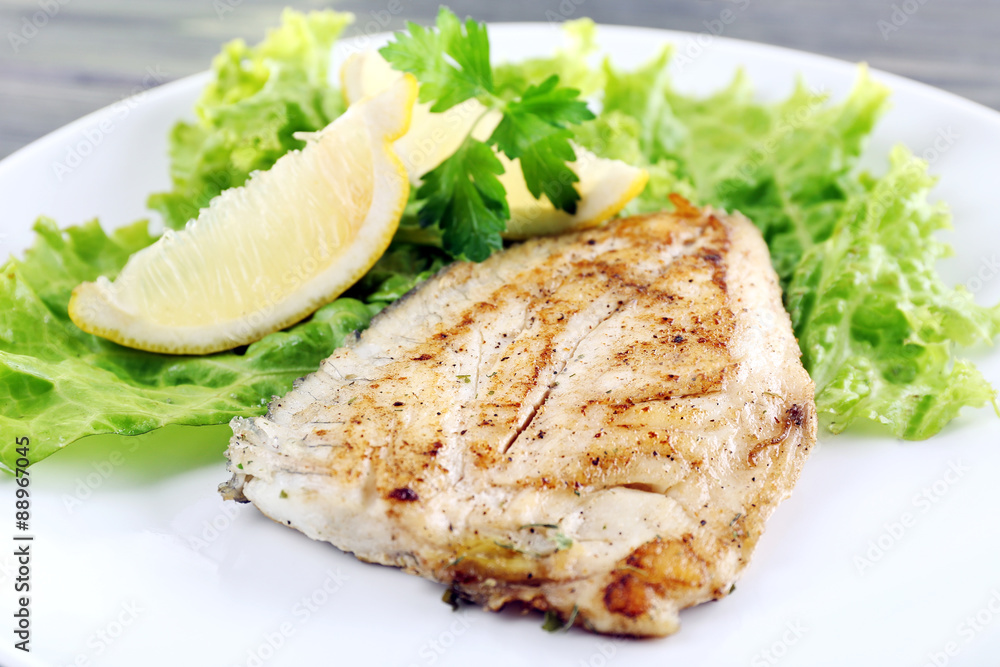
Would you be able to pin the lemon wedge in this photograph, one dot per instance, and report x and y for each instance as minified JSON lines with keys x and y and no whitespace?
{"x":605,"y":186}
{"x":265,"y":255}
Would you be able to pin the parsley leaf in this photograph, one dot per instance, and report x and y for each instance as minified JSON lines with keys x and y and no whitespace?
{"x":550,"y":104}
{"x":466,"y":199}
{"x":554,"y":623}
{"x":546,"y":172}
{"x":562,"y":541}
{"x":432,"y":56}
{"x":533,"y":130}
{"x":452,"y":598}
{"x":463,"y":195}
{"x":470,"y":48}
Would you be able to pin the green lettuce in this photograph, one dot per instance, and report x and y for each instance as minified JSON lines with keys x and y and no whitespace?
{"x":402,"y":267}
{"x":569,"y":63}
{"x":788,"y":166}
{"x":877,"y":326}
{"x":256,"y":101}
{"x":59,"y":384}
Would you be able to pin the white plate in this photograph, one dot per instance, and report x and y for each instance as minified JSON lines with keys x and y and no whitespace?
{"x":120,"y":577}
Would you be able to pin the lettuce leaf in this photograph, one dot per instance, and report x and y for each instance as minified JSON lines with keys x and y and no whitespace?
{"x":569,"y":63}
{"x":59,"y":384}
{"x":401,"y":268}
{"x":258,"y":98}
{"x":787,"y":166}
{"x":876,"y":324}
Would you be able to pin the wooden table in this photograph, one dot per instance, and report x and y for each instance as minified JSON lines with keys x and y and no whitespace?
{"x":60,"y":59}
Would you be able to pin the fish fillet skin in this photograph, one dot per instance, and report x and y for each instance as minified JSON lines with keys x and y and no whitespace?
{"x":596,"y":424}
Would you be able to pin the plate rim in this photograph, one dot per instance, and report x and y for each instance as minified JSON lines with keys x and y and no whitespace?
{"x":171,"y":88}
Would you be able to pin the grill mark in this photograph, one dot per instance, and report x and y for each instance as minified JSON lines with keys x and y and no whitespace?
{"x":614,"y":274}
{"x":705,"y":388}
{"x":706,"y":246}
{"x":548,"y":390}
{"x":711,"y":330}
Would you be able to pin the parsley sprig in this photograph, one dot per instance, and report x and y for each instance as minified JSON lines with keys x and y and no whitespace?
{"x":463,"y":195}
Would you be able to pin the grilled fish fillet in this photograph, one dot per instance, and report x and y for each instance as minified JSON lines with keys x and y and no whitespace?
{"x":596,"y":424}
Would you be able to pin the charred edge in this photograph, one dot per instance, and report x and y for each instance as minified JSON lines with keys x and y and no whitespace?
{"x":626,"y":595}
{"x":685,"y":209}
{"x":715,"y":254}
{"x":794,"y":416}
{"x":657,"y":568}
{"x":404,"y":494}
